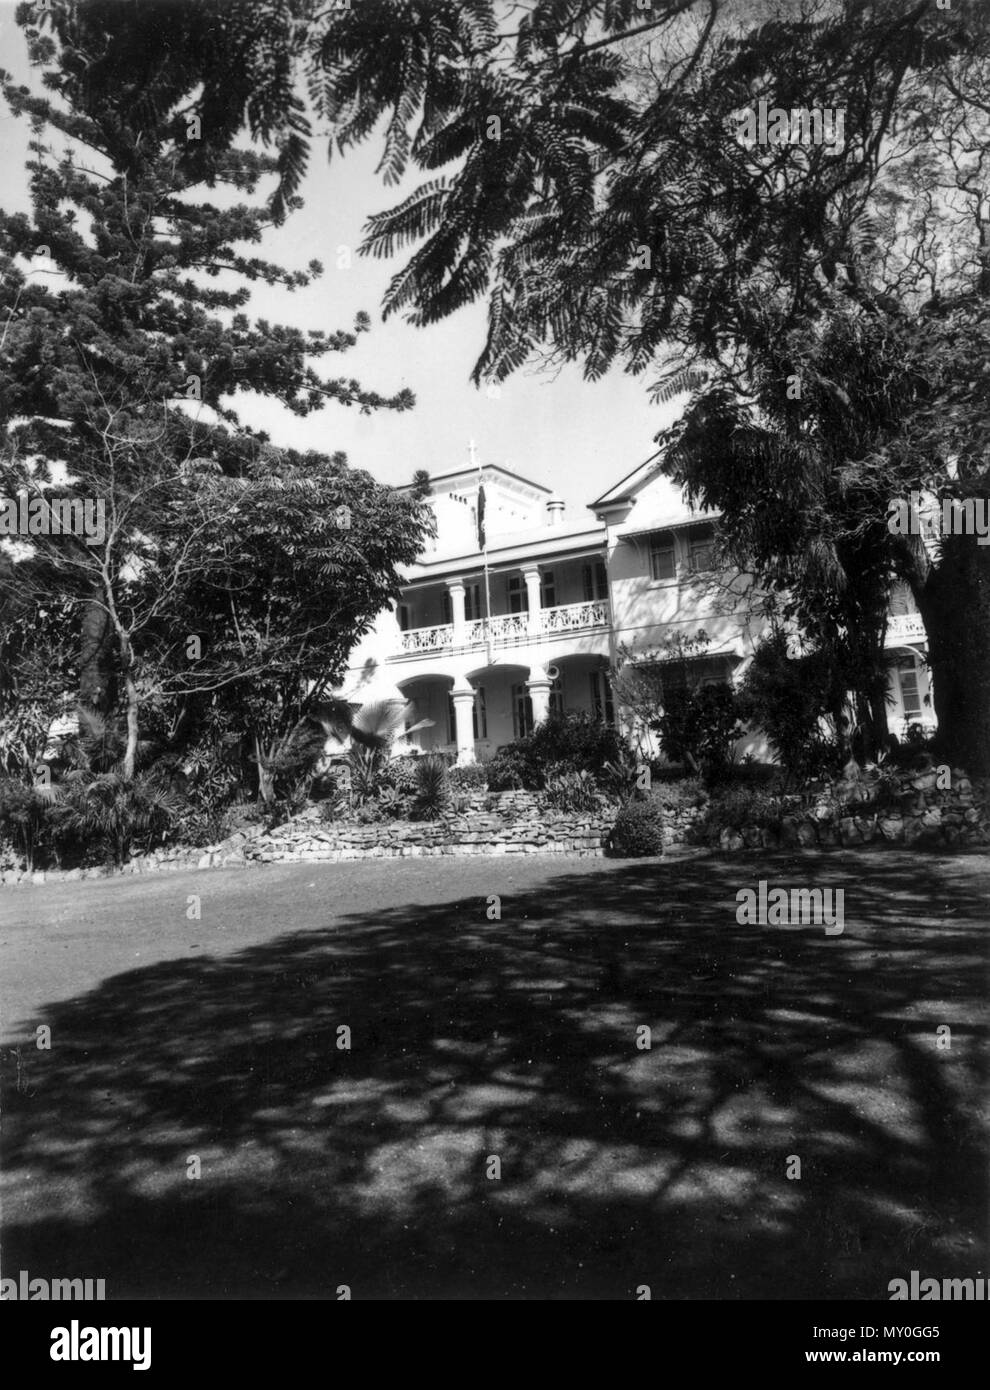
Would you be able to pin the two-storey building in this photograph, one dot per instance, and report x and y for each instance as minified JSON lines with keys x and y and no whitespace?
{"x":516,"y":609}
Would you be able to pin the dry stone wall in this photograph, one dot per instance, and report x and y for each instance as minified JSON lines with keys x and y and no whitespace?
{"x":514,"y":824}
{"x":931,"y":809}
{"x":917,"y":810}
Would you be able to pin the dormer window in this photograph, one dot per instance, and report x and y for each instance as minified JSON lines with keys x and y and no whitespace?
{"x":663,"y":557}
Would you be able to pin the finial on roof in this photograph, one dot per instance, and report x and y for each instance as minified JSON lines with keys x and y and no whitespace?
{"x":472,"y":453}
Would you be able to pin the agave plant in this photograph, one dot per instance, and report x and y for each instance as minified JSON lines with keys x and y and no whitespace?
{"x":432,"y":786}
{"x":366,"y":768}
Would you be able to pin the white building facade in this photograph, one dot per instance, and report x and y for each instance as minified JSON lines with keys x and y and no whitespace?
{"x":484,"y":642}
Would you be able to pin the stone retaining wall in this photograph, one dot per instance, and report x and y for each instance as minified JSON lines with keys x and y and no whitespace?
{"x":916,"y":811}
{"x":514,"y":824}
{"x":494,"y":823}
{"x":919,"y":809}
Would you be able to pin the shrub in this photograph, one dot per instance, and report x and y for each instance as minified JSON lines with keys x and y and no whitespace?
{"x":26,"y":818}
{"x":638,"y":830}
{"x":787,"y":697}
{"x":687,"y":791}
{"x":505,"y":772}
{"x":699,"y":727}
{"x":393,"y":804}
{"x":576,"y":741}
{"x":335,"y":797}
{"x":400,"y":773}
{"x":473,"y":778}
{"x":736,"y":807}
{"x":120,"y":815}
{"x":196,"y":827}
{"x":624,"y":778}
{"x":571,"y":791}
{"x":432,"y":787}
{"x":368,"y":769}
{"x":916,"y":750}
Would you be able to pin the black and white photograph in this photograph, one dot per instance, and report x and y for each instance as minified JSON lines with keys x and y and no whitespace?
{"x":495,"y":663}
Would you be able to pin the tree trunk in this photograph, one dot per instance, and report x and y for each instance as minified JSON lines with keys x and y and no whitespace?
{"x":130,"y":748}
{"x":266,"y":775}
{"x":95,"y":659}
{"x":955,"y":606}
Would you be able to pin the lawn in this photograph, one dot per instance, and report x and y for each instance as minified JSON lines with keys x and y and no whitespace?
{"x":474,"y":1040}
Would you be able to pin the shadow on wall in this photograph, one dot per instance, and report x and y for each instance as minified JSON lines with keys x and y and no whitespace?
{"x":517,"y":1040}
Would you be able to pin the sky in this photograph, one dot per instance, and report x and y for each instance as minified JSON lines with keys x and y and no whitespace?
{"x":574,"y":436}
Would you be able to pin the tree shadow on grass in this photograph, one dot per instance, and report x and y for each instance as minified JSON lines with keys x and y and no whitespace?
{"x":476,"y":1041}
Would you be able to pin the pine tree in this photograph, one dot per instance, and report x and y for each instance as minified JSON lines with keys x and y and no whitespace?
{"x":122,"y":300}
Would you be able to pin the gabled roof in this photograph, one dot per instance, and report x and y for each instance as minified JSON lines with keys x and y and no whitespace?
{"x":626,"y":488}
{"x":469,"y":473}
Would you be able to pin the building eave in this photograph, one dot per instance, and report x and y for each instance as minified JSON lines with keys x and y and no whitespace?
{"x":510,"y":551}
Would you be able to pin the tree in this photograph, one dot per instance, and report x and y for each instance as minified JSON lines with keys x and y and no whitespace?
{"x":240,"y":589}
{"x":282,"y":569}
{"x":789,"y":696}
{"x":36,"y":670}
{"x":590,"y":176}
{"x":654,"y":236}
{"x":788,"y":472}
{"x":121,"y":355}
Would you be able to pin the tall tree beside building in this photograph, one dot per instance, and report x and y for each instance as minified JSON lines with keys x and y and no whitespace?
{"x":590,"y":174}
{"x":124,"y":340}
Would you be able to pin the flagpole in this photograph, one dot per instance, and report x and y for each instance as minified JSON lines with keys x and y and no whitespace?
{"x":483,"y":540}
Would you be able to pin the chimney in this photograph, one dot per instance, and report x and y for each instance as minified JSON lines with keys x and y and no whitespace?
{"x":555,"y":510}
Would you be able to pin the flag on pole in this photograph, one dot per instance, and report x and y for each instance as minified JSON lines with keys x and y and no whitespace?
{"x":481,"y":516}
{"x":473,"y":456}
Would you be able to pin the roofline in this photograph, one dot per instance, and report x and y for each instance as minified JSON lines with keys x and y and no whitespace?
{"x":572,"y":544}
{"x":623,"y":496}
{"x":496,"y":467}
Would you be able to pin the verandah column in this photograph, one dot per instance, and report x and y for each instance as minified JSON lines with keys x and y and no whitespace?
{"x":531,"y":574}
{"x":463,"y":698}
{"x":538,"y":688}
{"x":455,"y":587}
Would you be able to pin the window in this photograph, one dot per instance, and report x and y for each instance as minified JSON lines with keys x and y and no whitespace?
{"x":556,"y":700}
{"x":472,"y":602}
{"x":702,"y":545}
{"x":691,"y":673}
{"x":907,"y":673}
{"x":663,"y":562}
{"x":518,"y":598}
{"x":674,"y":675}
{"x":479,"y":714}
{"x":402,"y":615}
{"x":451,"y":720}
{"x":548,"y":589}
{"x":522,"y":712}
{"x":595,"y":581}
{"x":601,"y":697}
